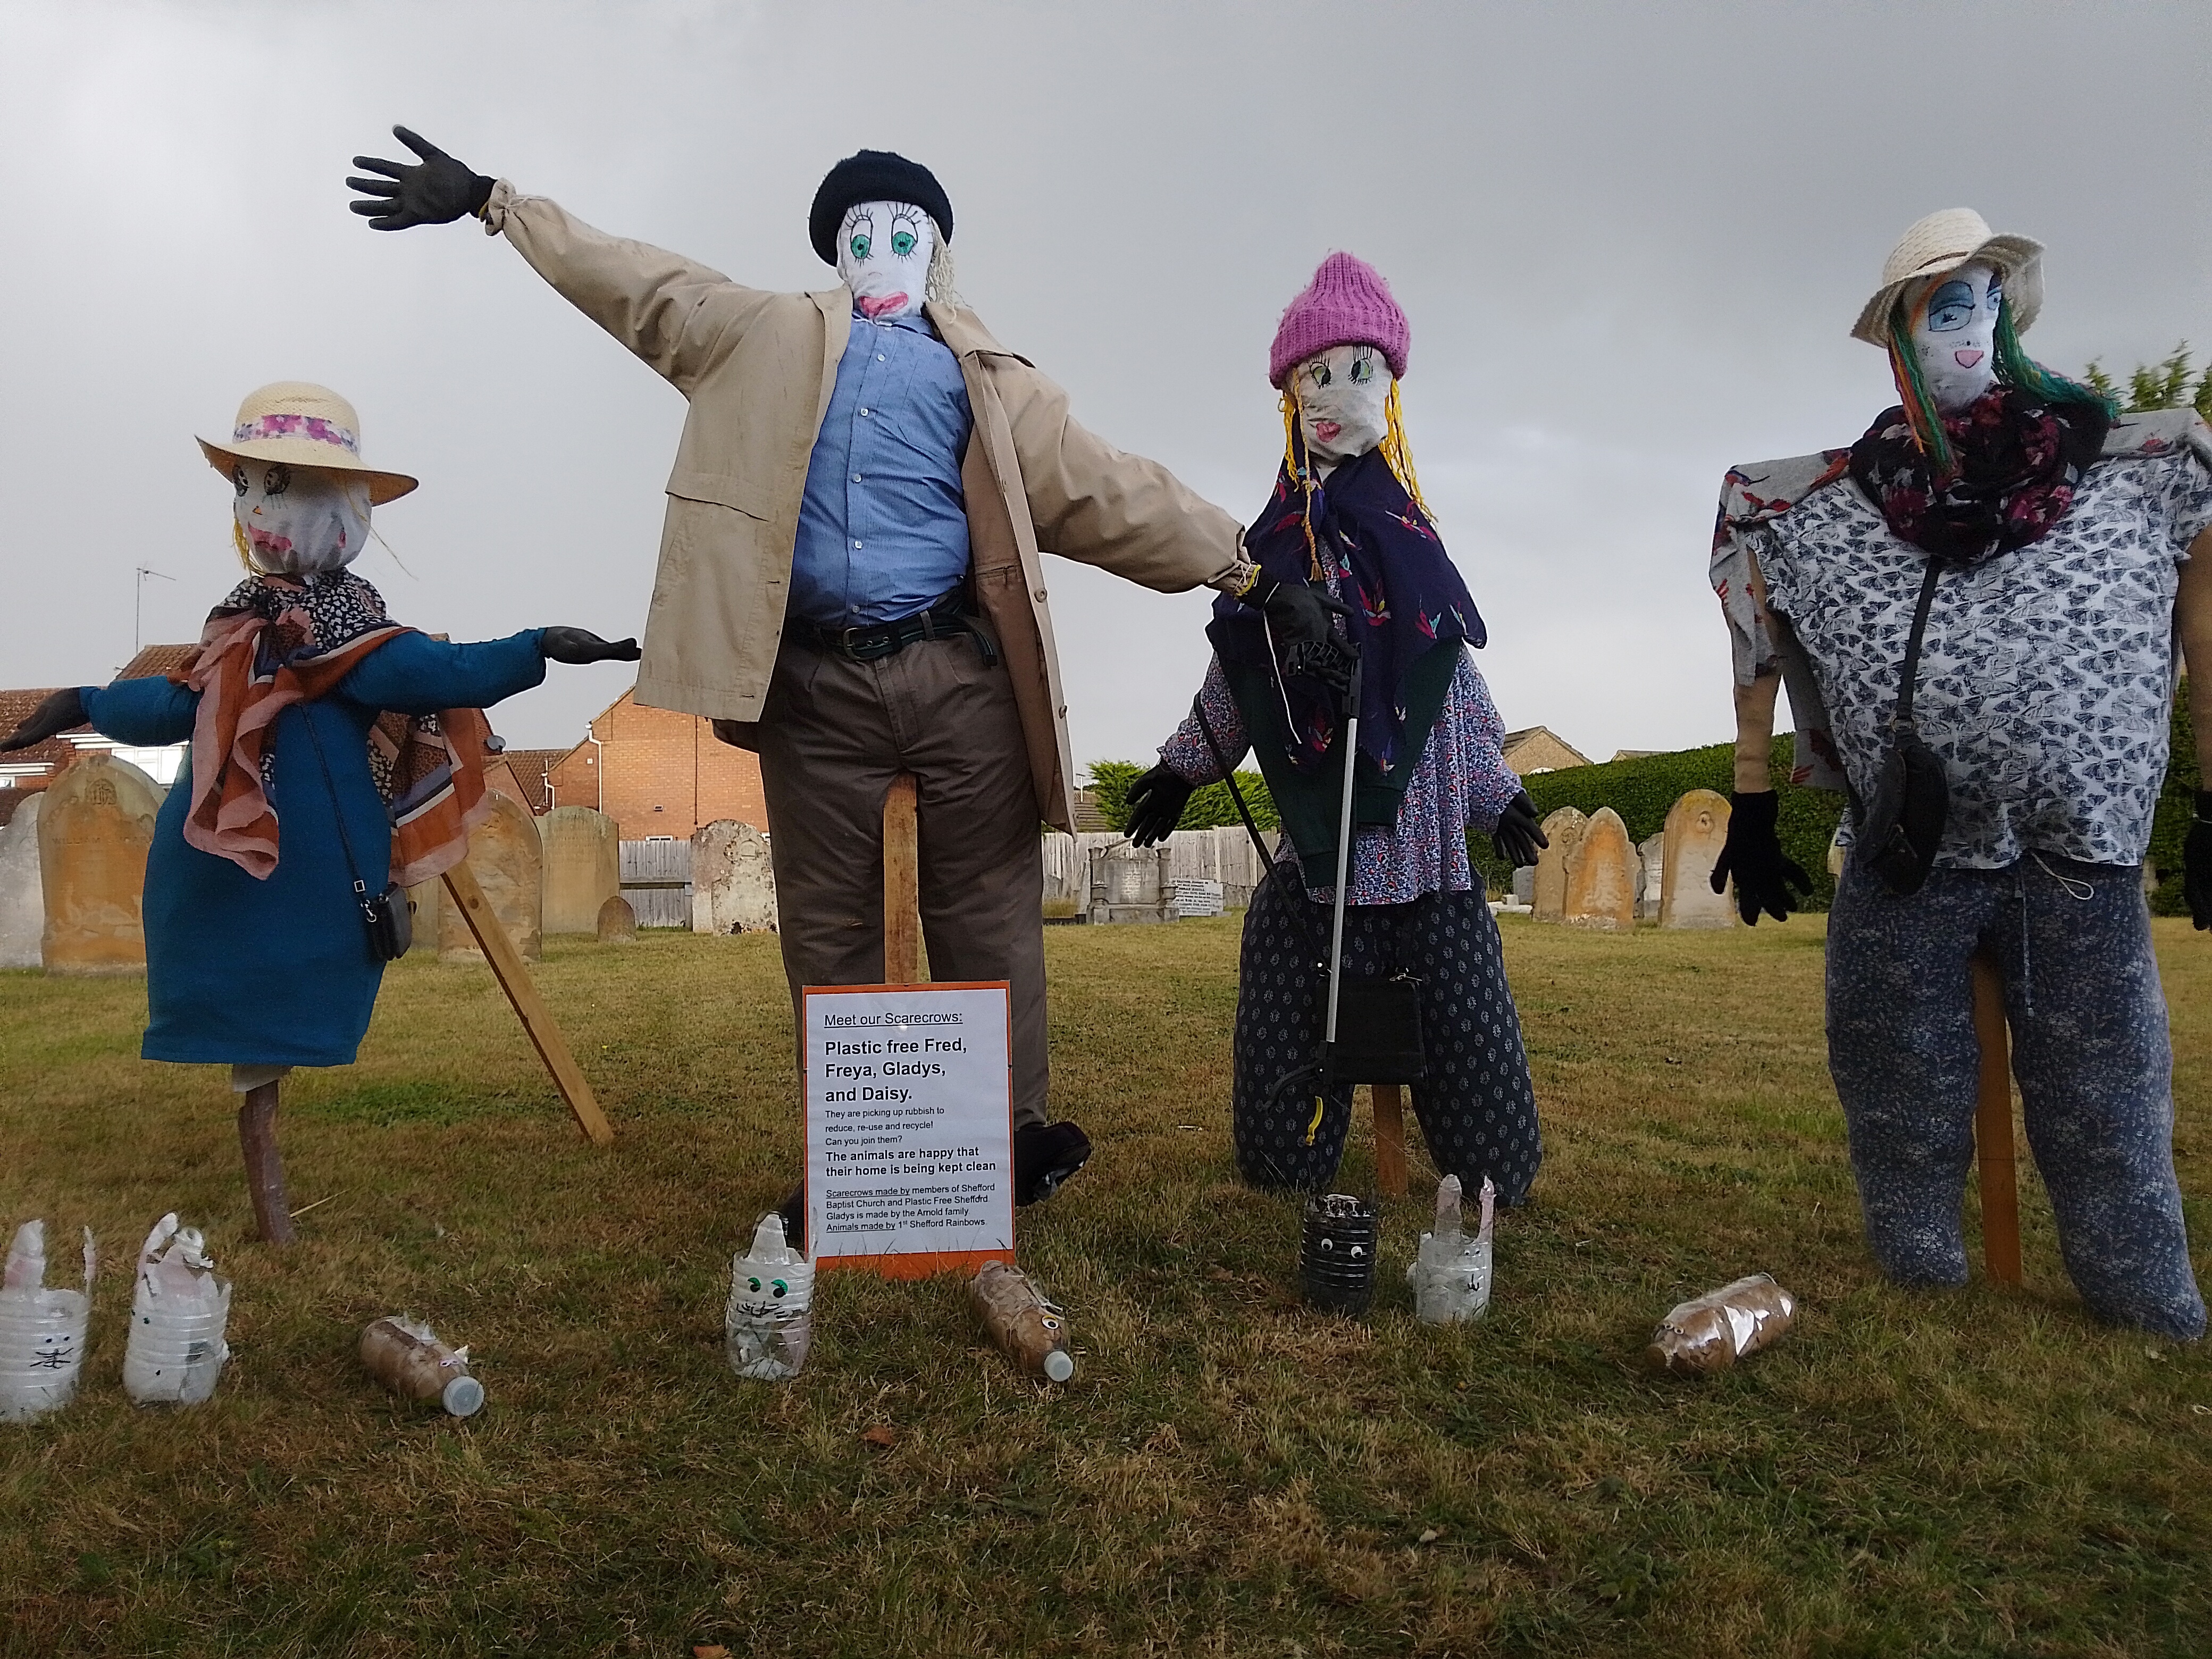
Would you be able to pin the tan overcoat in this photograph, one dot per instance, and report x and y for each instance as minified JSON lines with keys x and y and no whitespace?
{"x":758,"y":369}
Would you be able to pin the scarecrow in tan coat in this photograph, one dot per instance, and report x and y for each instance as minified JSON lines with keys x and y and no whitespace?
{"x":850,"y":582}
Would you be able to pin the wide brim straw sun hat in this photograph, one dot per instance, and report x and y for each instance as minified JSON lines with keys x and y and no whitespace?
{"x":300,"y":424}
{"x":1943,"y":242}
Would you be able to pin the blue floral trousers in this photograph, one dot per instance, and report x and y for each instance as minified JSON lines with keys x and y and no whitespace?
{"x":2089,"y":1049}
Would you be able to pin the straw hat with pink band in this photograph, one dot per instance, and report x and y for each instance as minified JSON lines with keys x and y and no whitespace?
{"x":1945,"y":240}
{"x":297,"y":423}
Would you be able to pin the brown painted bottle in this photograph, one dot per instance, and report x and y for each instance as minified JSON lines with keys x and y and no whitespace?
{"x":1028,"y":1329}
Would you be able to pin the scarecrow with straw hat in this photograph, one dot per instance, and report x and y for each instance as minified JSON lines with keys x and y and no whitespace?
{"x":336,"y":754}
{"x":850,"y":577}
{"x":1346,"y":515}
{"x":1977,"y":609}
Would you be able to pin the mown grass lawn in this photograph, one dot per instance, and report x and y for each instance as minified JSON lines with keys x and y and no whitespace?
{"x":1978,"y":1473}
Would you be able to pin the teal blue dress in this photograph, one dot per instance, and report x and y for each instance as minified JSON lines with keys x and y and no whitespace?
{"x":278,"y":972}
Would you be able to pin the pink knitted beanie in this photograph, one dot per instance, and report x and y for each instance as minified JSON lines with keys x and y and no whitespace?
{"x":1347,"y":303}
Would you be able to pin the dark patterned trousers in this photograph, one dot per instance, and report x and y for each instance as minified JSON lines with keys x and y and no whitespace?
{"x":2089,"y":1048}
{"x":1476,"y":1107}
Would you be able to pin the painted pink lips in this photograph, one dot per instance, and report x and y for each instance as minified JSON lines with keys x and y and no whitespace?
{"x":876,"y":304}
{"x":1327,"y":430}
{"x":1967,"y":359}
{"x":268,"y":541}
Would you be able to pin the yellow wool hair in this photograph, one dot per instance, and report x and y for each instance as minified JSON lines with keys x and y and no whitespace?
{"x":245,"y":553}
{"x":1397,"y":454}
{"x":1293,"y":465}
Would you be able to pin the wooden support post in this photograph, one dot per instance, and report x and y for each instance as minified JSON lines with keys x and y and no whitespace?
{"x":1993,"y":1145}
{"x":1389,"y":1141}
{"x":513,"y":977}
{"x":265,"y":1169}
{"x":901,"y":885}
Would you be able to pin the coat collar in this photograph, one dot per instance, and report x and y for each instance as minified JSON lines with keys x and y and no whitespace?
{"x":961,"y":329}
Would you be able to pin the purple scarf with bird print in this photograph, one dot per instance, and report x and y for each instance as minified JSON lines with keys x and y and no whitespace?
{"x":1380,"y":554}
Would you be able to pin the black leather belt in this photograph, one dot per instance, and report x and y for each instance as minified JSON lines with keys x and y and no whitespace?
{"x":949,"y":618}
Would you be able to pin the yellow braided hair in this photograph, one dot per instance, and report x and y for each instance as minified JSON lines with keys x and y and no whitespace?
{"x":1397,"y":454}
{"x":1293,"y":464}
{"x":245,"y":553}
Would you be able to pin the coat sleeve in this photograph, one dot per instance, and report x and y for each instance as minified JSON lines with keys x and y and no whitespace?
{"x":1089,"y":501}
{"x":678,"y":315}
{"x":417,"y":675}
{"x":144,"y":713}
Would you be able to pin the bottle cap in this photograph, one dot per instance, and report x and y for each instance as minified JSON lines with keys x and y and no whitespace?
{"x":1059,"y":1365}
{"x":463,"y":1396}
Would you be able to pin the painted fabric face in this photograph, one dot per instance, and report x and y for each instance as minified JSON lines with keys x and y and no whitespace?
{"x":298,"y":521}
{"x":1341,"y":393}
{"x":883,"y":251}
{"x":1954,"y":325}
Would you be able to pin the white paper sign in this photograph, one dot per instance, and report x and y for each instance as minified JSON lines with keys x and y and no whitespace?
{"x":909,"y":1127}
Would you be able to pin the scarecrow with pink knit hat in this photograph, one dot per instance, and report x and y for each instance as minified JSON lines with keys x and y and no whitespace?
{"x":1346,"y":523}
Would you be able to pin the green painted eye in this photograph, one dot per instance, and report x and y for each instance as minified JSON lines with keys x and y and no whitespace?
{"x":902,"y":242}
{"x":860,"y":245}
{"x":1362,"y":370}
{"x":780,"y":1288}
{"x":752,"y":1284}
{"x":1320,"y":374}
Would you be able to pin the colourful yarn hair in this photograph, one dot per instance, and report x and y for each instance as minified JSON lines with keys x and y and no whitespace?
{"x":2013,"y":367}
{"x":1397,"y":455}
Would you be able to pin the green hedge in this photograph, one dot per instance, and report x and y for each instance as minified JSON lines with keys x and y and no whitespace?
{"x":1642,"y":790}
{"x":2177,"y":804}
{"x":1209,"y":807}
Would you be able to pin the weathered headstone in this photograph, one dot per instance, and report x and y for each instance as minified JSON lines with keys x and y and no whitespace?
{"x":1697,"y":829}
{"x":22,"y":905}
{"x":508,"y":861}
{"x":1564,"y":829}
{"x":733,"y":882}
{"x":618,"y":923}
{"x":427,"y":900}
{"x":95,"y":828}
{"x":1524,"y":885}
{"x":1651,"y":877}
{"x":583,"y":868}
{"x":1838,"y":851}
{"x":1601,"y":876}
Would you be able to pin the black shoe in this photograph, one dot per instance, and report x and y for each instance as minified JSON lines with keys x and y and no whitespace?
{"x":793,"y":1211}
{"x":1046,"y":1155}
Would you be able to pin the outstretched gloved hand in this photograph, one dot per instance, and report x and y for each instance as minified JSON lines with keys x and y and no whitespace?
{"x":2196,"y":862}
{"x":57,"y":714}
{"x":1753,"y":856}
{"x":1519,"y":834}
{"x":1301,"y":620}
{"x":1155,"y":804}
{"x":436,"y":190}
{"x":578,"y":645}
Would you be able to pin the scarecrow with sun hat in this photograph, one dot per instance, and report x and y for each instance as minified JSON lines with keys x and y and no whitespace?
{"x":850,"y":578}
{"x":1977,"y":609}
{"x":1346,"y":512}
{"x":335,"y":756}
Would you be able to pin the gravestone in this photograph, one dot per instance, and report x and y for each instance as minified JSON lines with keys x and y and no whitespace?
{"x":1601,"y":891}
{"x":583,"y":868}
{"x":1130,"y":883}
{"x":1697,"y":829}
{"x":1548,"y":894}
{"x":509,"y":862}
{"x":732,"y":881}
{"x":426,"y":899}
{"x":95,"y":828}
{"x":1838,"y":848}
{"x":1651,"y":877}
{"x":22,"y":905}
{"x":617,"y":922}
{"x":1524,"y":885}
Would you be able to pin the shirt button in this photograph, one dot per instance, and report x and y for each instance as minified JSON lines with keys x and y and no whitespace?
{"x":856,"y":477}
{"x":863,"y":411}
{"x":879,"y":356}
{"x":859,"y":544}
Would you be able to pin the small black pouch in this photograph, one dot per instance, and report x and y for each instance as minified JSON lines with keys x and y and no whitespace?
{"x":1378,"y":1031}
{"x":1900,"y":827}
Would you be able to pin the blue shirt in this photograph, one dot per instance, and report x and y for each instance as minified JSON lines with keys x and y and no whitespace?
{"x":883,"y":529}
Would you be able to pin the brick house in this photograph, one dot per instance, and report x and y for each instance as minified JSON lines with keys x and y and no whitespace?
{"x":28,"y":770}
{"x":1538,"y":749}
{"x":656,"y":773}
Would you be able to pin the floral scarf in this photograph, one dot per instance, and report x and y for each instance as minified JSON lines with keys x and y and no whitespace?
{"x":276,"y":641}
{"x":1383,"y":558}
{"x":2019,"y":462}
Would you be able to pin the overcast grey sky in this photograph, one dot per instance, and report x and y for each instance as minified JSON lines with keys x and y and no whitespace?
{"x":1631,"y":238}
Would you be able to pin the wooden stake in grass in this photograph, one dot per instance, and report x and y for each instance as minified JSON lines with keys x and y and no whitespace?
{"x":1993,"y":1146}
{"x":1389,"y":1141}
{"x":506,"y":967}
{"x":901,"y":885}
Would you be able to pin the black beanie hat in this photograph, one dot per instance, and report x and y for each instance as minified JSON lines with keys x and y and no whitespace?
{"x":874,"y":175}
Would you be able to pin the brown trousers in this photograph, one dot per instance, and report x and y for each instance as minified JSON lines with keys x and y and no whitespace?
{"x":832,"y":736}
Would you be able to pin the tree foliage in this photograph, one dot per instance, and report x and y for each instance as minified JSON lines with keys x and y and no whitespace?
{"x":2172,"y":384}
{"x":1209,"y":807}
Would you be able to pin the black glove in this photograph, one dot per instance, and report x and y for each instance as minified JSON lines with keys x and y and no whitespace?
{"x":1155,"y":804}
{"x":1519,"y":835}
{"x":435,"y":192}
{"x":1753,"y":856}
{"x":63,"y":710}
{"x":1300,"y":620}
{"x":582,"y":645}
{"x":2196,"y":863}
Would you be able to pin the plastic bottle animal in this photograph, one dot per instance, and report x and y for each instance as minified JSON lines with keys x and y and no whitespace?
{"x":768,"y":1323}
